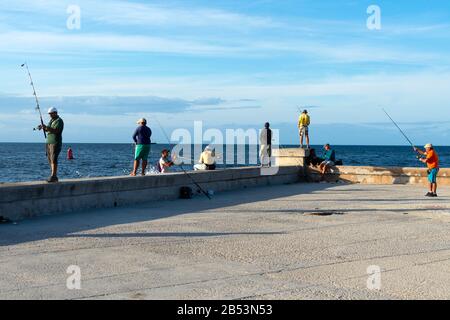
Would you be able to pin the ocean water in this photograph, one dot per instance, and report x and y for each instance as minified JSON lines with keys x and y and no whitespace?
{"x":28,"y":162}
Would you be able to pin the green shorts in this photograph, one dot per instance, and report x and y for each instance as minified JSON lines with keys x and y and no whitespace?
{"x":142,"y":151}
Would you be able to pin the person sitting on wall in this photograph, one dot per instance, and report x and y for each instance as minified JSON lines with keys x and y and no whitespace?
{"x":329,"y":157}
{"x":313,"y":159}
{"x":164,"y":163}
{"x":207,"y":160}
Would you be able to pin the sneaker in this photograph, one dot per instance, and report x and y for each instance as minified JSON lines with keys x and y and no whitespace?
{"x":52,"y":179}
{"x":429,"y":194}
{"x":434,"y":195}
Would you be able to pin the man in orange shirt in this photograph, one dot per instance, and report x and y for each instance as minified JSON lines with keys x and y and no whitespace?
{"x":431,"y":159}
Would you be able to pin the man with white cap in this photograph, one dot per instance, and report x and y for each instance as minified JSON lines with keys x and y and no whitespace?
{"x":54,"y":131}
{"x":141,"y":138}
{"x":207,"y":160}
{"x":431,"y":159}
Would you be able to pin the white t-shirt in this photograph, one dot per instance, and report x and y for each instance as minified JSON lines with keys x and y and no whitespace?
{"x":207,"y":158}
{"x":162,"y":161}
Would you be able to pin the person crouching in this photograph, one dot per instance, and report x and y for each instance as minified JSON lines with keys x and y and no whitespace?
{"x":207,"y":160}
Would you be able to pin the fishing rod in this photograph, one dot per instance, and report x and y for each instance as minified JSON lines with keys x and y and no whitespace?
{"x":400,"y":129}
{"x":181,"y":166}
{"x":38,"y":108}
{"x":217,"y":156}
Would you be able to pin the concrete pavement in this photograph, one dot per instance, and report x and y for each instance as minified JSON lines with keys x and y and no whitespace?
{"x":296,"y":241}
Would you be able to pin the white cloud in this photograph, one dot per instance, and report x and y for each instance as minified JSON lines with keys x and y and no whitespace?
{"x":42,"y":42}
{"x":67,"y":43}
{"x":128,"y":13}
{"x":410,"y":96}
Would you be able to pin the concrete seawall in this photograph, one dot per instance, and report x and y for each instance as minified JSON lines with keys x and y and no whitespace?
{"x":25,"y":200}
{"x":31,"y":199}
{"x":380,"y":175}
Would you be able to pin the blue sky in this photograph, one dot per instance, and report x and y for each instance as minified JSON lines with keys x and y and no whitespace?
{"x":231,"y":64}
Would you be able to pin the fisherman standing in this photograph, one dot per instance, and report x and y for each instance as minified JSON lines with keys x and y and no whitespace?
{"x":54,"y":131}
{"x":141,"y":138}
{"x":265,"y":142}
{"x":303,"y":127}
{"x":431,"y":159}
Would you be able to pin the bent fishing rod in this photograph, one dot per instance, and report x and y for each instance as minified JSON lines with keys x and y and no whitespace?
{"x":401,"y":131}
{"x":38,"y":108}
{"x":181,"y":166}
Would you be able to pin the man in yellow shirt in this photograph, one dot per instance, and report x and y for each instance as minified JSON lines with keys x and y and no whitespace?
{"x":303,"y":127}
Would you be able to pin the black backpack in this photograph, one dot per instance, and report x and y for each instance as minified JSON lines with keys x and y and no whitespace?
{"x":186,"y":193}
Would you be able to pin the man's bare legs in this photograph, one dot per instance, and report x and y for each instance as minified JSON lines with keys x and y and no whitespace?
{"x":135,"y":168}
{"x":433,"y":188}
{"x":323,"y":170}
{"x":144,"y":166}
{"x":307,"y":140}
{"x":54,"y":168}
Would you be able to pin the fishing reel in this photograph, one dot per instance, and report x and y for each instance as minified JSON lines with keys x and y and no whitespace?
{"x":38,"y":128}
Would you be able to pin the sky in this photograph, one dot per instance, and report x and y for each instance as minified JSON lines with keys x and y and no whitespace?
{"x":230,"y":64}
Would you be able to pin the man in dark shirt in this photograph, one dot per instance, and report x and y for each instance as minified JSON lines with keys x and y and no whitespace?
{"x":265,"y":142}
{"x":54,"y":131}
{"x":141,"y":138}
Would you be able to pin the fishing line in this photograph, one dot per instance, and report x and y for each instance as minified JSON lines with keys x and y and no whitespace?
{"x":181,"y":166}
{"x":406,"y":137}
{"x":398,"y":127}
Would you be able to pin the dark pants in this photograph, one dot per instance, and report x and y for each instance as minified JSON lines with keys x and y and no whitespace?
{"x":53,"y":151}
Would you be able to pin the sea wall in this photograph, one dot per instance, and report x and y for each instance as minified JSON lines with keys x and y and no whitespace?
{"x":25,"y":200}
{"x":31,"y":199}
{"x":379,"y":175}
{"x":359,"y":174}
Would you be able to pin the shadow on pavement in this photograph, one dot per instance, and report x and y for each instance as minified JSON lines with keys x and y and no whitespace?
{"x":65,"y":225}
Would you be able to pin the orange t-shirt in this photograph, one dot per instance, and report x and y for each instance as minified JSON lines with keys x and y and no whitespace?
{"x":432,"y":160}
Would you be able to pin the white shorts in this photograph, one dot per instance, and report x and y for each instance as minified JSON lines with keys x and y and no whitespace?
{"x":303,"y":130}
{"x":265,"y":150}
{"x":328,"y":163}
{"x":200,"y":167}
